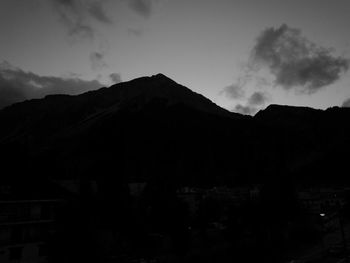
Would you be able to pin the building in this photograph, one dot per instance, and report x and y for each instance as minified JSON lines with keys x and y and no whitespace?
{"x":27,"y":220}
{"x":323,"y":205}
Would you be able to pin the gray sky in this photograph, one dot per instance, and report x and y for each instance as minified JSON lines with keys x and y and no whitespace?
{"x":242,"y":54}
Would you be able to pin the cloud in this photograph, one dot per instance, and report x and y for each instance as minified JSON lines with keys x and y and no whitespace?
{"x":254,"y":103}
{"x":346,"y":104}
{"x":135,"y":32}
{"x":237,"y":91}
{"x":142,"y":7}
{"x":115,"y":78}
{"x":96,"y":11}
{"x":17,"y":85}
{"x":77,"y":16}
{"x":97,"y":60}
{"x":295,"y":61}
{"x":258,"y":98}
{"x":246,"y":110}
{"x":234,"y":91}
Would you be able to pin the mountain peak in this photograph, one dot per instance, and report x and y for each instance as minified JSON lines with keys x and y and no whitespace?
{"x":283,"y":110}
{"x":153,"y":78}
{"x":141,"y":91}
{"x":163,"y":79}
{"x":161,"y":76}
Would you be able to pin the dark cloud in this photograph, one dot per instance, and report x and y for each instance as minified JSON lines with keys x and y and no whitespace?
{"x":258,"y":98}
{"x":18,"y":85}
{"x":96,"y":11}
{"x":76,"y":15}
{"x":234,"y":91}
{"x":346,"y":104}
{"x":142,"y":7}
{"x":295,"y":61}
{"x":254,"y":103}
{"x":115,"y":78}
{"x":246,"y":110}
{"x":97,"y":60}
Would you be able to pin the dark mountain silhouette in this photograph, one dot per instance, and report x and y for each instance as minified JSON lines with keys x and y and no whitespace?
{"x":42,"y":118}
{"x":314,"y":142}
{"x":152,"y":128}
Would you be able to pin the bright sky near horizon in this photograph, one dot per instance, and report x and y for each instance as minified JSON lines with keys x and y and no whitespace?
{"x":241,"y":54}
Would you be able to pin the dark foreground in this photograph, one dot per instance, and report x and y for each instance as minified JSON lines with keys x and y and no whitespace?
{"x":86,"y":221}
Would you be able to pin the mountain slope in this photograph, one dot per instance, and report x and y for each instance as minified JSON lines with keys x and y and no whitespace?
{"x":315,"y":142}
{"x":145,"y":127}
{"x":152,"y":128}
{"x":55,"y":112}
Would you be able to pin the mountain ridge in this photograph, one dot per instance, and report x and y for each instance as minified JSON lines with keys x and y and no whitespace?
{"x":149,"y":125}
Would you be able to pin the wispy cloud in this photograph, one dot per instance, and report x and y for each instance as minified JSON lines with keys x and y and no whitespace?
{"x":236,"y":90}
{"x":245,"y":109}
{"x":135,"y":32}
{"x":97,"y":12}
{"x":141,"y":7}
{"x":17,"y":85}
{"x":97,"y":60}
{"x":77,"y":16}
{"x":115,"y":78}
{"x":254,"y":103}
{"x":258,"y":98}
{"x":346,"y":103}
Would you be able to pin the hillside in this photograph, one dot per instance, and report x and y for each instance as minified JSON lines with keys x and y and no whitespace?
{"x":152,"y":128}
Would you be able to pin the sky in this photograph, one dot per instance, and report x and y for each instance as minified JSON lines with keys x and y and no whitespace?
{"x":241,"y":54}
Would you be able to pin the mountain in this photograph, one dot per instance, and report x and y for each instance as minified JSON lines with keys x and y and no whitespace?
{"x":138,"y":129}
{"x":152,"y":128}
{"x":56,"y":112}
{"x":315,"y":142}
